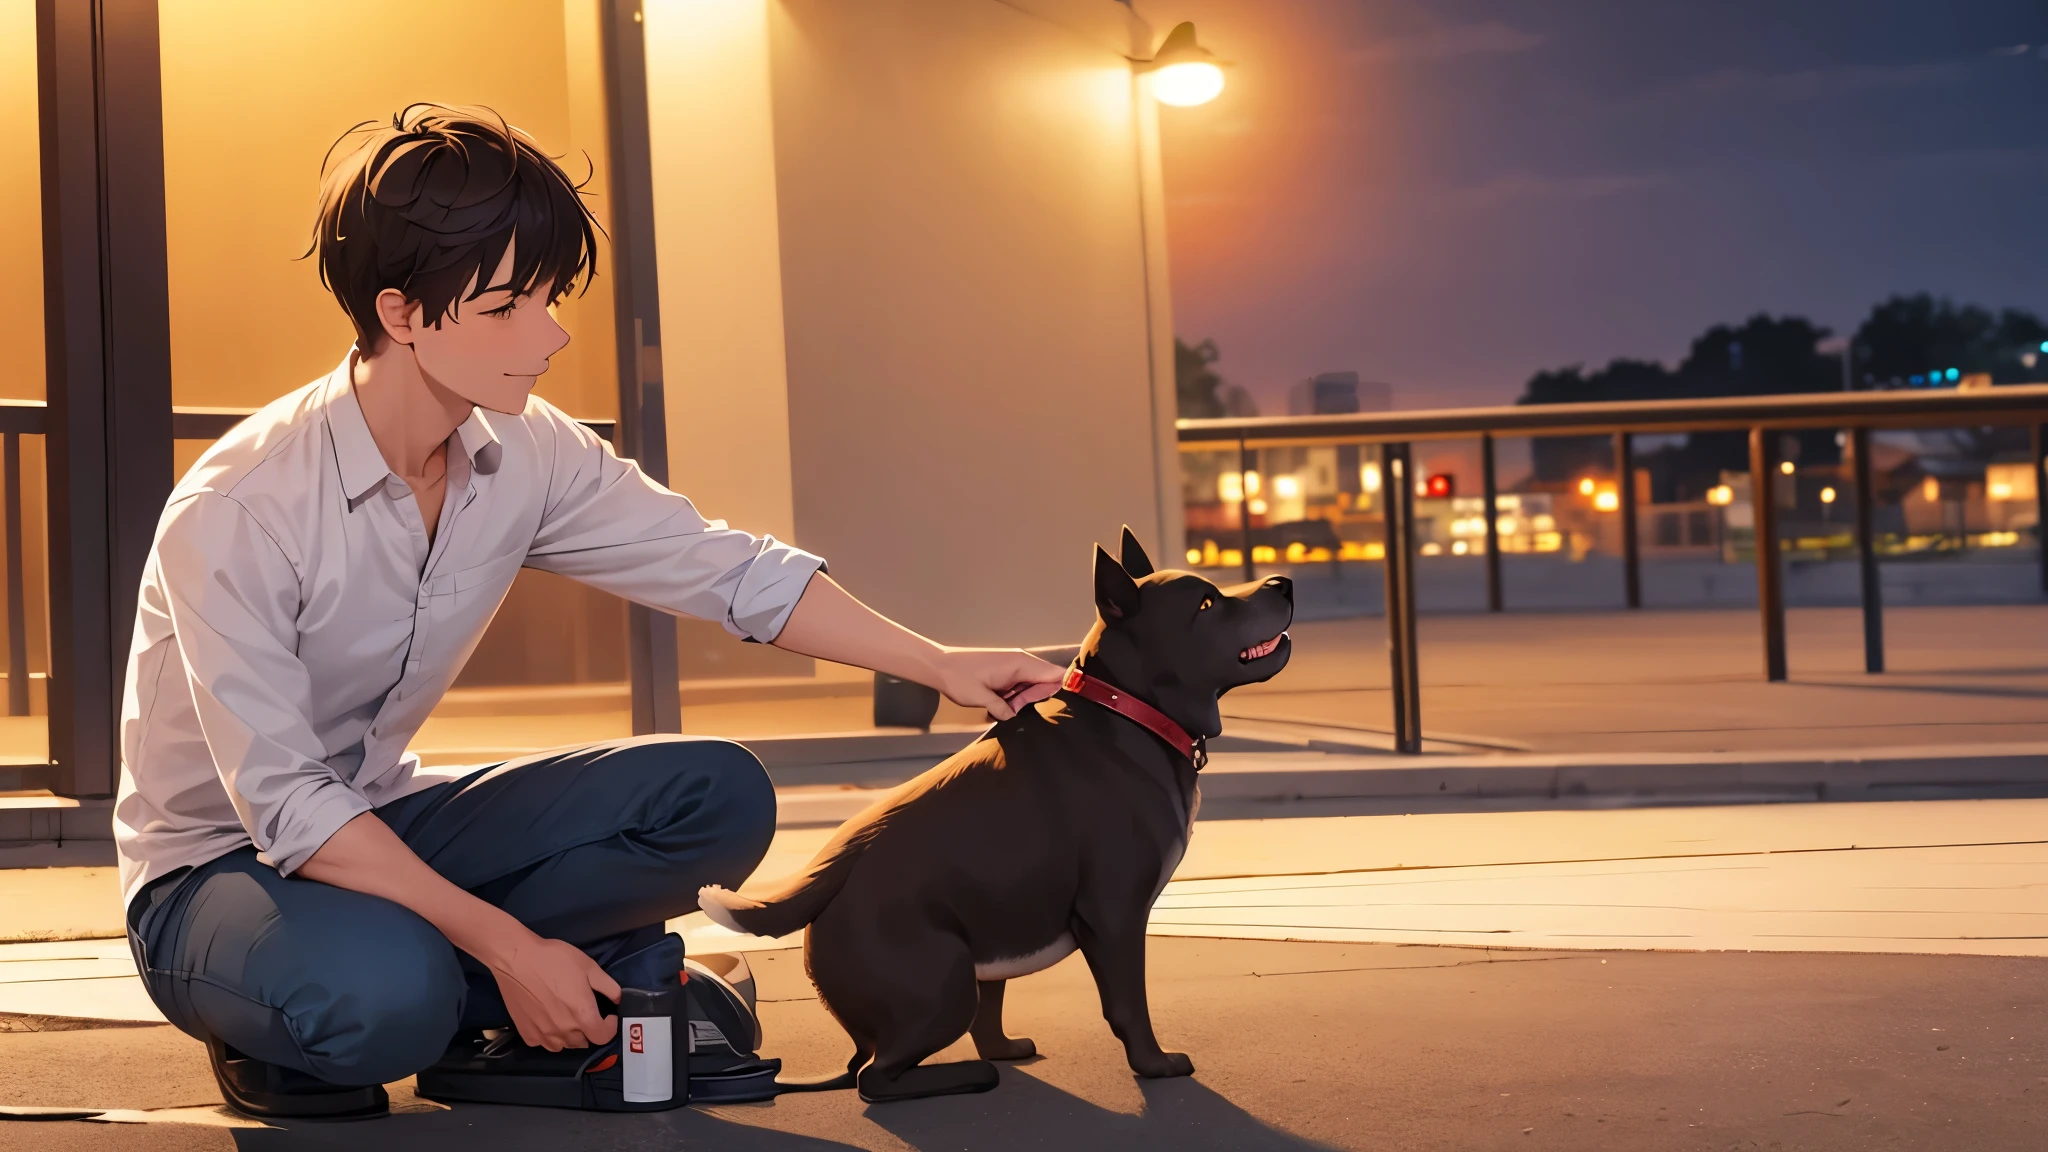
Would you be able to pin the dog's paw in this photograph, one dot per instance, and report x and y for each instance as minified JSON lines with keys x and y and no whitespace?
{"x":1163,"y":1066}
{"x":1006,"y":1048}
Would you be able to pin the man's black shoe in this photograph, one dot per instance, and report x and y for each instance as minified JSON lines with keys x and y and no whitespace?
{"x":273,"y":1092}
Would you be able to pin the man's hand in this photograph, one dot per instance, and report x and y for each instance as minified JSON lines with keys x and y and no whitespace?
{"x":830,"y":624}
{"x":547,"y":985}
{"x":1000,"y":681}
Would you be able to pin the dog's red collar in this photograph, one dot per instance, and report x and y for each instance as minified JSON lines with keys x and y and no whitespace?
{"x":1130,"y":707}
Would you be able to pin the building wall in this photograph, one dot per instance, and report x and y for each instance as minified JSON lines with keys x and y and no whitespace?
{"x":254,"y":93}
{"x":970,"y":368}
{"x":21,"y":205}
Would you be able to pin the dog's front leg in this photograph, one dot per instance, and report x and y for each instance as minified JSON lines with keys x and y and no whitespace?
{"x":1117,"y":958}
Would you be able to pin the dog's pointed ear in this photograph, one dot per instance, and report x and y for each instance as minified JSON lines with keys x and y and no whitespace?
{"x":1116,"y":594}
{"x":1136,"y":563}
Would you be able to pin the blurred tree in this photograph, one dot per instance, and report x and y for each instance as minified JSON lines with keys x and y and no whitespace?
{"x":1196,"y":384}
{"x":1908,"y":336}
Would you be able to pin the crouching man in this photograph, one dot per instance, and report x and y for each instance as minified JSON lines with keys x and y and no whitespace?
{"x":302,"y":896}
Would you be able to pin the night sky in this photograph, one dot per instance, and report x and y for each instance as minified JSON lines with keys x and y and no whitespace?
{"x":1451,"y":195}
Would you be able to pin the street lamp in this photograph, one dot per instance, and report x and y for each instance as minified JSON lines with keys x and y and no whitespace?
{"x":1184,"y":73}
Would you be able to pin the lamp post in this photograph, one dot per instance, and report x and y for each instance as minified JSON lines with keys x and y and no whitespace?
{"x":1183,"y":72}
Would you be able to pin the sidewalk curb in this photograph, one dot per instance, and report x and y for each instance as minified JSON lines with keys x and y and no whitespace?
{"x":1863,"y":774}
{"x":1235,"y":781}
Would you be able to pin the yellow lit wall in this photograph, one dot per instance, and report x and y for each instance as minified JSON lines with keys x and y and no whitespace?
{"x":963,"y":263}
{"x":254,"y":92}
{"x":21,"y":211}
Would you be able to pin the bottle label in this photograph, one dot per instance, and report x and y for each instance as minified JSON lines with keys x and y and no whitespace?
{"x":649,"y":1069}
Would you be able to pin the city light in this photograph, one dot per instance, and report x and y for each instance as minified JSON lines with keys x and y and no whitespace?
{"x":2044,"y":345}
{"x":1257,"y":507}
{"x":1827,"y":495}
{"x":1369,"y":476}
{"x":1930,"y":490}
{"x":1607,"y":501}
{"x":1459,"y":548}
{"x":1230,"y":487}
{"x":1506,"y":525}
{"x":1251,"y":483}
{"x":1786,"y":467}
{"x":1721,"y":495}
{"x":1286,"y":487}
{"x":1194,"y":556}
{"x":1586,"y":486}
{"x":1999,"y":490}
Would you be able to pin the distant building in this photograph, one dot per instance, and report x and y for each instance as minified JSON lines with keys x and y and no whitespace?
{"x":1331,"y":393}
{"x":1335,"y":393}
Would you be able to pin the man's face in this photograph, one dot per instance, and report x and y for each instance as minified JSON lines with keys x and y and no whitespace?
{"x":492,"y":349}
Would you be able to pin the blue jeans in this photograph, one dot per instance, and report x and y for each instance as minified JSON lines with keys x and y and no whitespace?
{"x":596,"y":846}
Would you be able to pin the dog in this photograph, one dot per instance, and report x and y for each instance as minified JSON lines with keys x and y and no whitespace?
{"x":1056,"y":830}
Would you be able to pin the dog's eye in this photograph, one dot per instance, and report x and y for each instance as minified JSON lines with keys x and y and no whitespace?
{"x":1206,"y":602}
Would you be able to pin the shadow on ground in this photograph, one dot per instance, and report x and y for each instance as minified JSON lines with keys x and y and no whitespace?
{"x":1026,"y":1112}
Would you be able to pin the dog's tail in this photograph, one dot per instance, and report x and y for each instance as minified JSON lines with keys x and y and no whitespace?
{"x":793,"y":903}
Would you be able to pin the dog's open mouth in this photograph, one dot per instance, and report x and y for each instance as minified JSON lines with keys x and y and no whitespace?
{"x":1258,"y":650}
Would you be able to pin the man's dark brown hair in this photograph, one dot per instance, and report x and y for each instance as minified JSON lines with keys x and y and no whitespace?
{"x":428,"y":205}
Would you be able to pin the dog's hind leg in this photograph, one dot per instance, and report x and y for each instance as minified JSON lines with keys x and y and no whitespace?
{"x":921,"y":1025}
{"x":988,"y":1026}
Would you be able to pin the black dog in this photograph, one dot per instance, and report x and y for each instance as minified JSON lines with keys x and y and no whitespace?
{"x":1056,"y":830}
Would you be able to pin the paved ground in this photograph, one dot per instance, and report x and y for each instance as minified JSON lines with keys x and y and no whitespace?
{"x":1683,"y":681}
{"x":1303,"y":1046}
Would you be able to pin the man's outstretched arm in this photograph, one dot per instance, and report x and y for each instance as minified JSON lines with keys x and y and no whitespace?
{"x":830,"y":624}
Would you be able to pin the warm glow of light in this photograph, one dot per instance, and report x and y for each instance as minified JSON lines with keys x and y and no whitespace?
{"x":1194,"y":556}
{"x":1432,"y":549}
{"x":1586,"y":486}
{"x":1827,"y":495}
{"x":1506,"y":525}
{"x":1251,"y":483}
{"x":1785,"y":466}
{"x":1264,"y":554}
{"x":1187,"y":84}
{"x":1607,"y":501}
{"x":1297,"y":552}
{"x":1369,"y":476}
{"x":1258,"y":508}
{"x":1999,"y":490}
{"x":1286,"y":487}
{"x":1721,"y":495}
{"x":1930,"y":490}
{"x":1544,"y":523}
{"x":1459,"y":548}
{"x":1549,"y":541}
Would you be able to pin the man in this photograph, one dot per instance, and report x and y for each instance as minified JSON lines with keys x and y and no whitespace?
{"x":302,"y":896}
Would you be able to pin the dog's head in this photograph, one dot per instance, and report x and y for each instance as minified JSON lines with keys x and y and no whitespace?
{"x":1179,"y":642}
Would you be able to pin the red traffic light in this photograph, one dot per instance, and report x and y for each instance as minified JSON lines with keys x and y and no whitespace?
{"x":1441,"y":484}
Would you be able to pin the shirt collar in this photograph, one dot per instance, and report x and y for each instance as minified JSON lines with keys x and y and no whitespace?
{"x":356,"y":452}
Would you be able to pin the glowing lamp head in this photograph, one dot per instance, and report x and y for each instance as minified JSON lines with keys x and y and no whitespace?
{"x":1184,"y":73}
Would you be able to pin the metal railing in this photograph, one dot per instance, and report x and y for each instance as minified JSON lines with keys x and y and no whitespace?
{"x":20,"y":418}
{"x":1763,"y":417}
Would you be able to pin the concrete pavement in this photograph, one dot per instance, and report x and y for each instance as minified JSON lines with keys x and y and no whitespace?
{"x":1296,"y":1046}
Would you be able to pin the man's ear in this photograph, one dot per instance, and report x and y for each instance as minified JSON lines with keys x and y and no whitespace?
{"x":1136,"y":563}
{"x":1116,"y":594}
{"x":399,"y":316}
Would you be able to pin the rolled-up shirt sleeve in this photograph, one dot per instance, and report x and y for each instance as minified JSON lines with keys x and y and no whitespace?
{"x":609,"y":526}
{"x":234,"y":606}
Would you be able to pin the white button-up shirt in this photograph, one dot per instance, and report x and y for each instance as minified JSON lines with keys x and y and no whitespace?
{"x":295,"y":627}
